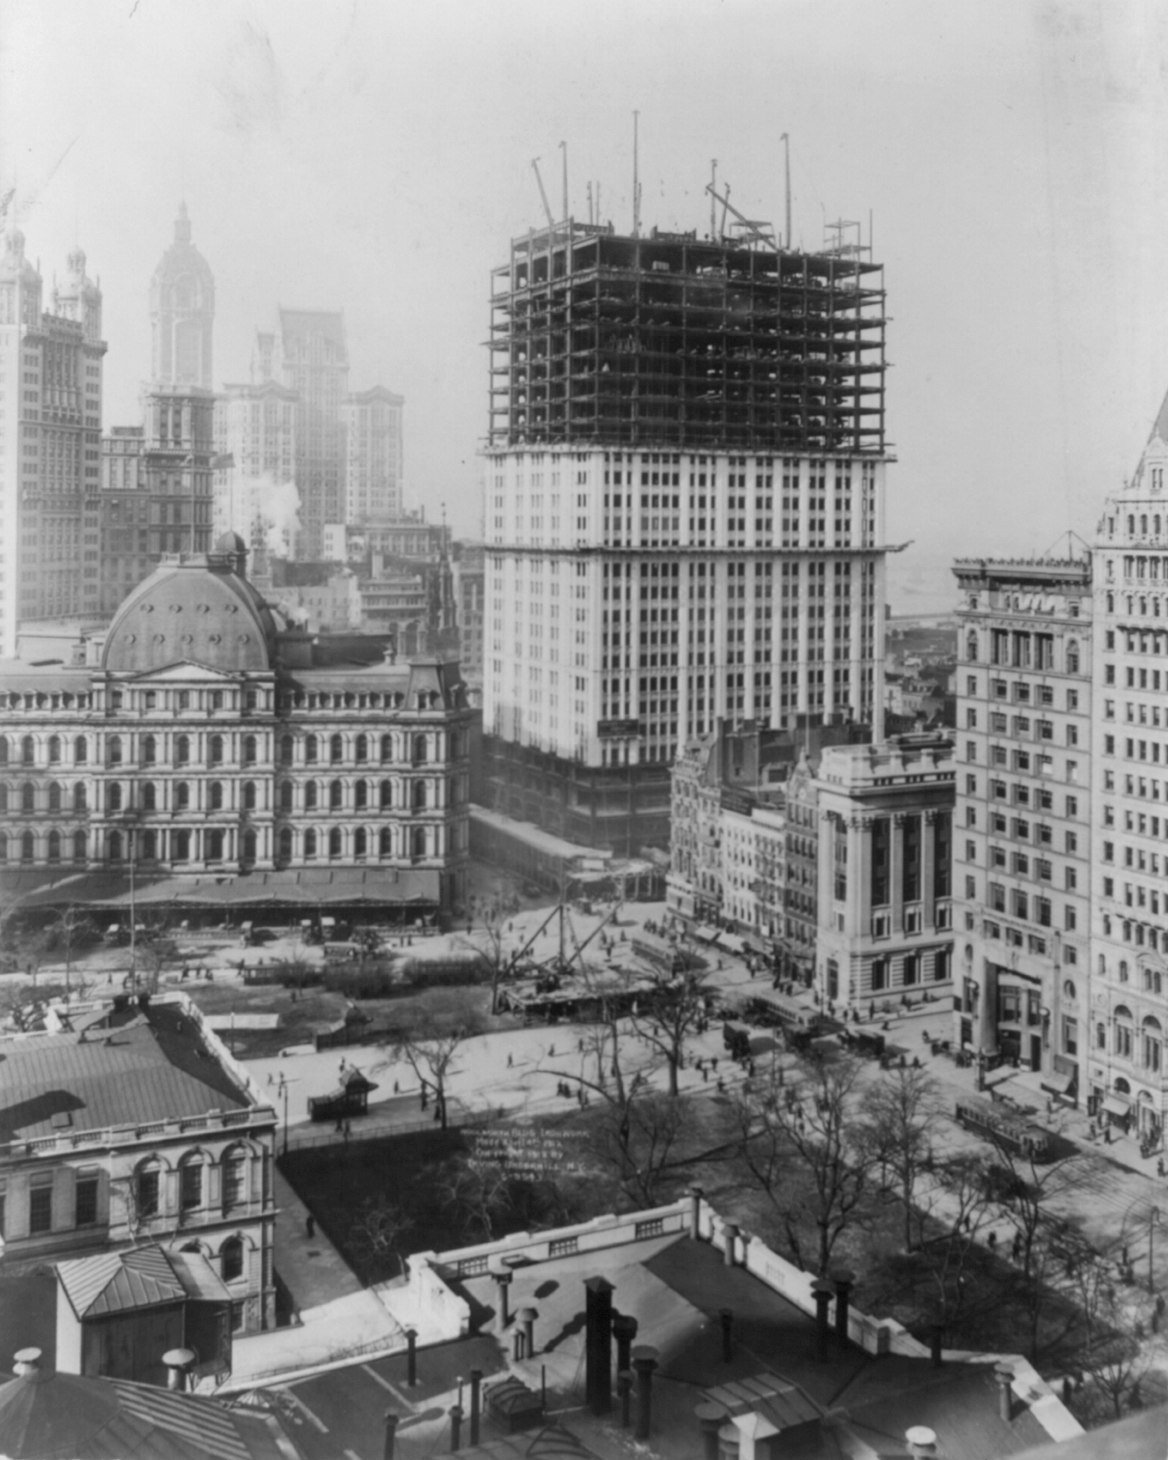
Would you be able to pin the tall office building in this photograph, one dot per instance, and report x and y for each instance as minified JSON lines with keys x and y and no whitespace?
{"x":1021,"y":838}
{"x":315,"y":361}
{"x":1125,"y":1063}
{"x":255,"y":438}
{"x":373,"y":456}
{"x":50,"y":440}
{"x":684,"y":511}
{"x":182,"y":312}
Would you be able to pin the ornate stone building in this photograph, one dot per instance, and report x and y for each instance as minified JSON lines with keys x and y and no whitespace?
{"x":182,"y":312}
{"x":212,"y":738}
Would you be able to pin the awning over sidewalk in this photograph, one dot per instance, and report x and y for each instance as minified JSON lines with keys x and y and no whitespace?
{"x":1117,"y":1105}
{"x":704,"y":933}
{"x":731,"y":941}
{"x":1055,"y":1083}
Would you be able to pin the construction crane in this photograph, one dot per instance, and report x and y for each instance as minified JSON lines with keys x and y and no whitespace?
{"x":755,"y":230}
{"x":543,"y":195}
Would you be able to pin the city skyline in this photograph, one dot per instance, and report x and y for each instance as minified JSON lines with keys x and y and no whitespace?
{"x":378,"y":164}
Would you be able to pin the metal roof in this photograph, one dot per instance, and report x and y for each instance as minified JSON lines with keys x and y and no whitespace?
{"x":117,"y":1282}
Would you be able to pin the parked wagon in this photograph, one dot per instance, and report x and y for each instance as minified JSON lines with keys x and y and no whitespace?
{"x":1007,"y":1128}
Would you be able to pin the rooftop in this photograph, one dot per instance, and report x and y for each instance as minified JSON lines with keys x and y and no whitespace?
{"x":150,"y":1064}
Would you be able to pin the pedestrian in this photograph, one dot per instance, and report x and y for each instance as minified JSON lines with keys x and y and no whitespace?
{"x":340,"y":1127}
{"x":269,"y":1077}
{"x":510,"y":1062}
{"x":348,"y":1130}
{"x":310,"y":1225}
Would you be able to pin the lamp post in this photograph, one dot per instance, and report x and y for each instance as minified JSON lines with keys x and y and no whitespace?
{"x":1153,"y":1218}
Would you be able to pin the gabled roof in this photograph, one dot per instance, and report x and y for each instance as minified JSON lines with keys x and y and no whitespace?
{"x":117,"y":1282}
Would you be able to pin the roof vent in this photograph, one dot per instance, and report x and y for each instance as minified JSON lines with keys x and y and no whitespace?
{"x":921,"y":1441}
{"x":28,"y":1361}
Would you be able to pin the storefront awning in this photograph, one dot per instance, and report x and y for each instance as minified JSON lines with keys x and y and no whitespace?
{"x":704,"y":933}
{"x":1056,"y":1083}
{"x":1117,"y":1105}
{"x":731,"y":941}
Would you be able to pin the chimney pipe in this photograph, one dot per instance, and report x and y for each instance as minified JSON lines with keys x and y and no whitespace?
{"x":843,"y":1291}
{"x":821,"y":1290}
{"x":527,"y":1317}
{"x":178,"y":1362}
{"x":28,"y":1361}
{"x":391,"y":1422}
{"x":476,"y":1380}
{"x":1005,"y":1377}
{"x":729,"y":1240}
{"x":624,"y":1330}
{"x":710,"y":1420}
{"x":727,"y":1317}
{"x":455,"y":1427}
{"x":695,"y":1213}
{"x":598,"y":1344}
{"x":644,"y":1362}
{"x":921,"y":1441}
{"x":624,"y":1389}
{"x":504,"y":1281}
{"x":411,"y":1357}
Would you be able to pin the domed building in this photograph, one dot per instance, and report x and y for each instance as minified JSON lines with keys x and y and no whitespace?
{"x":213,"y":738}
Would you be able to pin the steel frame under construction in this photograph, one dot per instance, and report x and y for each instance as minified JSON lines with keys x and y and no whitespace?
{"x":685,"y":342}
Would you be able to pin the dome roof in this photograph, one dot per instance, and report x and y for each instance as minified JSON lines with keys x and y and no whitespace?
{"x":230,"y":542}
{"x":197,"y":610}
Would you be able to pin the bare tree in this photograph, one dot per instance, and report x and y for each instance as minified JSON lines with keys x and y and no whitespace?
{"x":668,"y":1014}
{"x":806,"y":1145}
{"x":957,"y":1189}
{"x":903,"y":1112}
{"x":69,"y":931}
{"x":376,"y":1231}
{"x":441,"y":1022}
{"x":492,"y":947}
{"x":638,"y":1136}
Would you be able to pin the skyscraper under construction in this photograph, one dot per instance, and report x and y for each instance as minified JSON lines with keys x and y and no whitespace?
{"x":684,"y":510}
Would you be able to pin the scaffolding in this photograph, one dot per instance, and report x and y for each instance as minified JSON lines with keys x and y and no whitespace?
{"x":685,"y":343}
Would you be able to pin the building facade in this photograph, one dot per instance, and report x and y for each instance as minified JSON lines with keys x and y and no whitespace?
{"x":50,"y":443}
{"x":182,"y":313}
{"x":315,"y":362}
{"x":884,"y":897}
{"x":211,"y":739}
{"x":1022,"y":839}
{"x":135,"y":1124}
{"x":684,"y":512}
{"x":372,"y":421}
{"x":1123,"y":1056}
{"x":255,"y":444}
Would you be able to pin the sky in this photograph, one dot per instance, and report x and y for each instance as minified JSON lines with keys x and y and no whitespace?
{"x":375,"y":157}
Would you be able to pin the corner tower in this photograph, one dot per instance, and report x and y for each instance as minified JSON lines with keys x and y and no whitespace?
{"x":182,"y":312}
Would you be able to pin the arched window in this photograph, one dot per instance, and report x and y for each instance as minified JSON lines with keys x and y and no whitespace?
{"x":182,"y":796}
{"x":182,"y":750}
{"x":1153,"y":1042}
{"x":419,"y":796}
{"x":231,"y":1260}
{"x":971,"y":646}
{"x":80,"y":750}
{"x":3,"y":749}
{"x":28,"y":750}
{"x":386,"y":748}
{"x":215,"y":750}
{"x":249,"y":795}
{"x":3,"y":799}
{"x":148,"y":845}
{"x":27,"y":847}
{"x":286,"y":750}
{"x":310,"y":748}
{"x":190,"y":1182}
{"x":1069,"y":991}
{"x":285,"y":844}
{"x":336,"y":795}
{"x":148,"y":1189}
{"x":418,"y":841}
{"x":336,"y":749}
{"x":361,"y":749}
{"x":1123,"y":1032}
{"x":149,"y":794}
{"x":361,"y":795}
{"x":54,"y":750}
{"x":54,"y":846}
{"x":54,"y":796}
{"x":250,"y":750}
{"x":80,"y":849}
{"x":3,"y":847}
{"x":419,"y":749}
{"x":216,"y":792}
{"x":334,"y":842}
{"x":180,"y":845}
{"x":360,"y":842}
{"x":309,"y":844}
{"x":1123,"y":970}
{"x":28,"y":797}
{"x":386,"y":794}
{"x":310,"y":796}
{"x":149,"y":750}
{"x":113,"y":796}
{"x":115,"y":846}
{"x":113,"y":750}
{"x":285,"y":795}
{"x":213,"y":844}
{"x":249,"y":845}
{"x":1073,"y":657}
